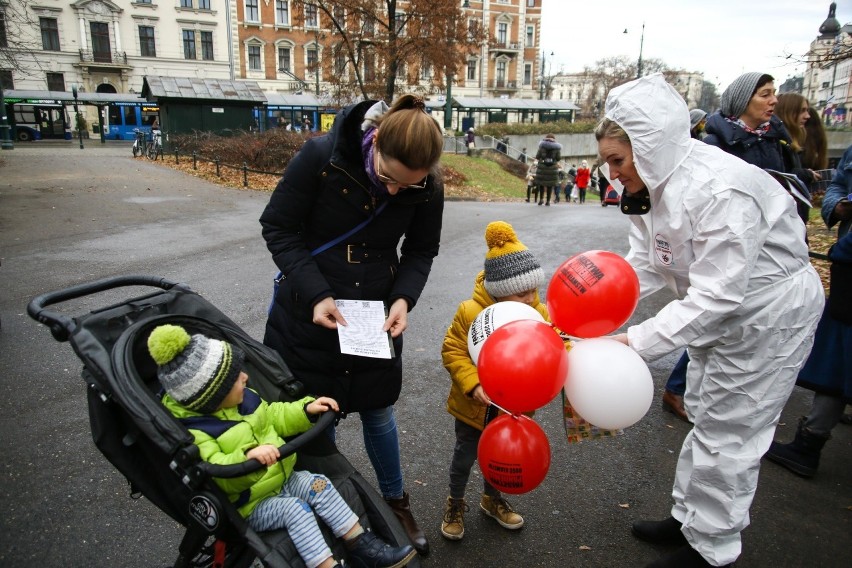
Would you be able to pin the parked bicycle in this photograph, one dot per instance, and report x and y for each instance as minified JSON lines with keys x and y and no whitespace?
{"x":139,"y":145}
{"x":155,"y":144}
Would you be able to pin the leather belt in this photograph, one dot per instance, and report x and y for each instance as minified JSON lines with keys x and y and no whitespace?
{"x":357,"y":254}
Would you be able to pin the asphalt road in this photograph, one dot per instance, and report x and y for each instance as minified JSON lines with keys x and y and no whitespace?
{"x":69,"y":216}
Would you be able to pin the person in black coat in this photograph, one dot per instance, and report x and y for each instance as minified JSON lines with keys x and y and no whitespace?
{"x":375,"y":172}
{"x":547,"y":173}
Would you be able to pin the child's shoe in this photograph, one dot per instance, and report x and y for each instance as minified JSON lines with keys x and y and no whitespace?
{"x":453,"y":525}
{"x":369,"y":551}
{"x":499,"y":509}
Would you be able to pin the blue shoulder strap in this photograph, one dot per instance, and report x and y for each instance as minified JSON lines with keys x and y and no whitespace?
{"x":349,"y":233}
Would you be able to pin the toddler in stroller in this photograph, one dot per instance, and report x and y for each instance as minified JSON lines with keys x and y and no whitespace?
{"x":157,"y":453}
{"x":206,"y":390}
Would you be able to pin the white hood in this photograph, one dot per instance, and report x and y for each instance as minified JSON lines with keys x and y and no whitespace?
{"x":656,"y":119}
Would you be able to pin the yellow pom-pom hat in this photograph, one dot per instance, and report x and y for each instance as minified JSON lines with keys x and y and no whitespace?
{"x":197,"y":371}
{"x":510,"y":267}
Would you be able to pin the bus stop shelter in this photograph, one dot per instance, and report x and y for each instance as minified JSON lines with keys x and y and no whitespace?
{"x":283,"y":109}
{"x":208,"y":105}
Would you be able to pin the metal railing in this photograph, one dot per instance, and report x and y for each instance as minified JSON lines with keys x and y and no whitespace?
{"x":89,"y":56}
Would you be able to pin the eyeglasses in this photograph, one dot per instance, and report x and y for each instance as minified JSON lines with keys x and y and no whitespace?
{"x":389,"y":180}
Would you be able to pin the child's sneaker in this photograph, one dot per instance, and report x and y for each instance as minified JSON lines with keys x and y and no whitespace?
{"x":499,"y":509}
{"x":369,"y":551}
{"x":453,"y":525}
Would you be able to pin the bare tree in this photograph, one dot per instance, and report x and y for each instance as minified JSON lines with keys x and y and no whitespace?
{"x":378,"y":44}
{"x":709,"y":100}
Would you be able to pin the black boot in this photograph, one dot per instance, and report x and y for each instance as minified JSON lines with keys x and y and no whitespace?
{"x":684,"y":557}
{"x":368,"y":551}
{"x":801,"y":456}
{"x":666,"y":531}
{"x":402,"y":510}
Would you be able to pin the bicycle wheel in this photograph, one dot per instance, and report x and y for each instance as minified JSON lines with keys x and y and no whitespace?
{"x":135,"y":149}
{"x":152,"y":155}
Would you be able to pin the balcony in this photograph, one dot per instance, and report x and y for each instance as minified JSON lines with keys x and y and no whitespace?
{"x":506,"y":46}
{"x":91,"y":58}
{"x":503,"y":85}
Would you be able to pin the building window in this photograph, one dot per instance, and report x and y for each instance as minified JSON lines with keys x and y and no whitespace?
{"x":203,"y":4}
{"x":501,"y":72}
{"x":55,"y":82}
{"x":527,"y":73}
{"x":471,"y":70}
{"x":186,"y":3}
{"x":339,"y":61}
{"x":189,"y":44}
{"x":313,"y":60}
{"x":207,"y":46}
{"x":530,"y":36}
{"x":7,"y":81}
{"x":502,"y":33}
{"x":254,"y":57}
{"x":252,"y":11}
{"x":3,"y":41}
{"x":49,"y":34}
{"x":340,"y":15}
{"x":311,"y":16}
{"x":425,"y":70}
{"x":369,"y":25}
{"x":284,"y":59}
{"x":101,"y":50}
{"x":282,"y":12}
{"x":147,"y":48}
{"x":531,"y":3}
{"x":369,"y":66}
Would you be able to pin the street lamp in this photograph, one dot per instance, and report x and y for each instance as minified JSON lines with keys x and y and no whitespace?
{"x":77,"y":116}
{"x":541,"y":89}
{"x":641,"y":44}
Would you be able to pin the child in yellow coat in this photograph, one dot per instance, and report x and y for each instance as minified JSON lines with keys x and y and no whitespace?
{"x":511,"y":273}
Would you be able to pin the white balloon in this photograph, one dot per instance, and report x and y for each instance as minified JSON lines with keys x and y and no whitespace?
{"x":491,"y":318}
{"x":608,"y":383}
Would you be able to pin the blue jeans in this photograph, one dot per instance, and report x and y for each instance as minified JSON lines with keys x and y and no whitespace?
{"x":381,"y":440}
{"x":677,"y":380}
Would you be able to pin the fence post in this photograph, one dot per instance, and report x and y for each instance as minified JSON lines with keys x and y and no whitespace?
{"x":216,"y":161}
{"x":177,"y":157}
{"x":194,"y":160}
{"x":245,"y":174}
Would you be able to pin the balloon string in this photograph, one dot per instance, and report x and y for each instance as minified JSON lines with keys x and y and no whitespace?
{"x":509,"y":412}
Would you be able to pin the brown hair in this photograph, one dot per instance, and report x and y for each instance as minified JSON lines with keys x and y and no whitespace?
{"x":409,"y":134}
{"x":606,"y":128}
{"x":815,"y":155}
{"x":787,"y":109}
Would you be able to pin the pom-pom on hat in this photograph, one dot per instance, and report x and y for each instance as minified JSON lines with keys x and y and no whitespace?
{"x":197,"y":371}
{"x":735,"y":98}
{"x":510,"y":268}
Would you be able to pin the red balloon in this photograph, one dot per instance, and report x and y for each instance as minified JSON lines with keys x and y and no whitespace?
{"x":592,"y":294}
{"x":514,"y":454}
{"x":523,"y":365}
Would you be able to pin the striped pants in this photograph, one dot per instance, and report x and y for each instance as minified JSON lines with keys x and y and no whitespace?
{"x":293,"y":509}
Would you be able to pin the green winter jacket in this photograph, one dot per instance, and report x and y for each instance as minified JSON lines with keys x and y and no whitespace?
{"x":456,"y":355}
{"x":227,"y":434}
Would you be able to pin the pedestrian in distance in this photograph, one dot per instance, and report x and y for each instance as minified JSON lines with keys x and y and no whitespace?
{"x":584,"y":177}
{"x":206,"y":390}
{"x":547,"y":172}
{"x":532,"y":188}
{"x":697,"y":120}
{"x":357,"y":216}
{"x":735,"y":276}
{"x":511,"y":273}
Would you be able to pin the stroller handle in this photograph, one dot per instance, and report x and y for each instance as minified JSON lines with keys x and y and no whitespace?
{"x":204,"y":469}
{"x":61,"y":326}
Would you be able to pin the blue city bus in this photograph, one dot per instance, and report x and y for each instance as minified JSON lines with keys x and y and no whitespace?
{"x":123,"y":117}
{"x":37,"y":120}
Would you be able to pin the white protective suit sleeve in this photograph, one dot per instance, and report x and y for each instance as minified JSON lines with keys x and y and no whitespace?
{"x":650,"y":280}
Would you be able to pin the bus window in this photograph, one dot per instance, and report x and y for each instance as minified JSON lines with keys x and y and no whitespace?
{"x":130,"y":117}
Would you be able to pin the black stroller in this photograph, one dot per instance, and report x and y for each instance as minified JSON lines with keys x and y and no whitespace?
{"x":157,"y":454}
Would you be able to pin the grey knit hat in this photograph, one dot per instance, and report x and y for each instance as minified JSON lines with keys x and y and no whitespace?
{"x":736,"y":97}
{"x":510,"y":267}
{"x":197,"y":371}
{"x":695,"y":116}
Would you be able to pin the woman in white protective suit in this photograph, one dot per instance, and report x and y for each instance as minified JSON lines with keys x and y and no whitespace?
{"x":725,"y":237}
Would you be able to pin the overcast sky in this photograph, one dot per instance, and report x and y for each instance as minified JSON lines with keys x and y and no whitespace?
{"x":721,"y":38}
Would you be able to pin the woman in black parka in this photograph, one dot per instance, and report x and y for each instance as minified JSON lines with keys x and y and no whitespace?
{"x":376,"y":169}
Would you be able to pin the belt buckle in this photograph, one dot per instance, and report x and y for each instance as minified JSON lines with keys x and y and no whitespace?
{"x":349,"y":255}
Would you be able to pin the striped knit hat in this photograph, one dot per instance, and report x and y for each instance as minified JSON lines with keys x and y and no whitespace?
{"x":735,"y":98}
{"x":510,"y":268}
{"x":197,"y":371}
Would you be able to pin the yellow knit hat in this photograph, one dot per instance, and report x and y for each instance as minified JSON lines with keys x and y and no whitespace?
{"x":510,"y":267}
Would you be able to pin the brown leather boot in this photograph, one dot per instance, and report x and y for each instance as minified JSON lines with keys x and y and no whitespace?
{"x":402,"y":510}
{"x":674,"y":403}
